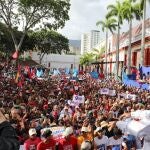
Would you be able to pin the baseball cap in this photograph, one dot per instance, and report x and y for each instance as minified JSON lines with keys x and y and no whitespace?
{"x":32,"y":131}
{"x":98,"y":129}
{"x":86,"y":145}
{"x":68,"y":131}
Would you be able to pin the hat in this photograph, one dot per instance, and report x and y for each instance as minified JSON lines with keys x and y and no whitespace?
{"x":98,"y":129}
{"x":86,"y":145}
{"x":104,"y":124}
{"x":87,"y":101}
{"x":32,"y":131}
{"x":68,"y":131}
{"x":84,"y":129}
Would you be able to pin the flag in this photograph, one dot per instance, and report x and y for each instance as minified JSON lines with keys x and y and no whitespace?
{"x":94,"y":75}
{"x":124,"y":76}
{"x":18,"y":74}
{"x":32,"y":74}
{"x":15,"y":54}
{"x":75,"y":72}
{"x":17,"y":77}
{"x":39,"y":73}
{"x":67,"y":71}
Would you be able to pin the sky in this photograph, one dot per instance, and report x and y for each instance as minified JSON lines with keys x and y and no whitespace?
{"x":83,"y":17}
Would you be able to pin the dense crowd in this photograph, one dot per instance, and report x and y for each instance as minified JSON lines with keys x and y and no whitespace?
{"x":38,"y":106}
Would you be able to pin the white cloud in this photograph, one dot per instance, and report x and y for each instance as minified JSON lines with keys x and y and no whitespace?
{"x":83,"y":17}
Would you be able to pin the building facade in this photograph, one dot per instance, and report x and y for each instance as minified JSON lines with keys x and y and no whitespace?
{"x":57,"y":61}
{"x":89,"y":40}
{"x":123,"y":51}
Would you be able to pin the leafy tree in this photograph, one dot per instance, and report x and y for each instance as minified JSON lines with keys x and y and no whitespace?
{"x":46,"y":42}
{"x":26,"y":14}
{"x":86,"y":59}
{"x":108,"y":24}
{"x":6,"y":43}
{"x":97,"y":53}
{"x":116,"y":11}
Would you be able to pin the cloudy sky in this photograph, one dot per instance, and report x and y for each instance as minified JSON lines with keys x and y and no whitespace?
{"x":83,"y":17}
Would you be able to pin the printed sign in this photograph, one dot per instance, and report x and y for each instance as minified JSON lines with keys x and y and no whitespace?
{"x":56,"y":132}
{"x":104,"y":91}
{"x":78,"y":99}
{"x":112,"y":92}
{"x":131,"y":96}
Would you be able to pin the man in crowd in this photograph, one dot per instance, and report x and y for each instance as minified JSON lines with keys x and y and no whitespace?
{"x":8,"y":137}
{"x":33,"y":141}
{"x":48,"y":141}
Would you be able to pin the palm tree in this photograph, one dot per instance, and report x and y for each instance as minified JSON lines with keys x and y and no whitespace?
{"x":129,"y":11}
{"x":108,"y":24}
{"x":98,"y":52}
{"x":116,"y":10}
{"x":143,"y":7}
{"x":86,"y":59}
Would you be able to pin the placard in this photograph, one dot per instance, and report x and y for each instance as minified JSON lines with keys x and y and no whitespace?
{"x":57,"y":132}
{"x":104,"y":91}
{"x":112,"y":92}
{"x":78,"y":99}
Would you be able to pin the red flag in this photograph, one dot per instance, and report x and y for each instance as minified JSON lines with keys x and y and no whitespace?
{"x":18,"y":74}
{"x":32,"y":74}
{"x":15,"y":55}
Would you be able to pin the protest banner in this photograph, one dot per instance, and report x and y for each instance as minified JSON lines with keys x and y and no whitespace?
{"x":104,"y":91}
{"x":57,"y":132}
{"x":77,"y":99}
{"x":131,"y":96}
{"x":127,"y":96}
{"x":112,"y":93}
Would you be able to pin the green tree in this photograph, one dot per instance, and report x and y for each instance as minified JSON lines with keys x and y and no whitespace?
{"x":97,"y":53}
{"x":143,"y":7}
{"x":130,"y":10}
{"x":116,"y":11}
{"x":6,"y":43}
{"x":26,"y":14}
{"x":86,"y":59}
{"x":46,"y":42}
{"x":108,"y":25}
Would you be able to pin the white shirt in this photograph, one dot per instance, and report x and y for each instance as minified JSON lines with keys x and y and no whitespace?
{"x":112,"y":142}
{"x":101,"y":144}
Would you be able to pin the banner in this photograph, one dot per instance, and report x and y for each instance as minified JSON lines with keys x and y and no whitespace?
{"x":77,"y":100}
{"x":127,"y":96}
{"x":104,"y":91}
{"x":57,"y":132}
{"x":112,"y":92}
{"x":131,"y":96}
{"x":145,"y":70}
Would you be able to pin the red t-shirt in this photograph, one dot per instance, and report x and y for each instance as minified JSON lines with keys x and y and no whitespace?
{"x":31,"y":144}
{"x":70,"y":144}
{"x":50,"y":145}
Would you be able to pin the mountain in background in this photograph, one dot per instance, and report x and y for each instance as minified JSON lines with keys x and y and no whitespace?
{"x":75,"y":43}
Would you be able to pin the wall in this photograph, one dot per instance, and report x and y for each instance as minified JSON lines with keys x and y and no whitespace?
{"x":58,"y":61}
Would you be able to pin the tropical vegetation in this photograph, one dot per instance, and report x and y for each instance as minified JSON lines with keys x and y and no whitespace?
{"x":26,"y":14}
{"x":120,"y":11}
{"x":108,"y":25}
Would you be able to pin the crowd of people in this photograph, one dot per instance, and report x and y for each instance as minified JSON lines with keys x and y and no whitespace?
{"x":34,"y":109}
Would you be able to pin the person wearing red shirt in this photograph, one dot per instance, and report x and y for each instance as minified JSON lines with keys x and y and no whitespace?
{"x":48,"y":142}
{"x":69,"y":142}
{"x":33,"y":141}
